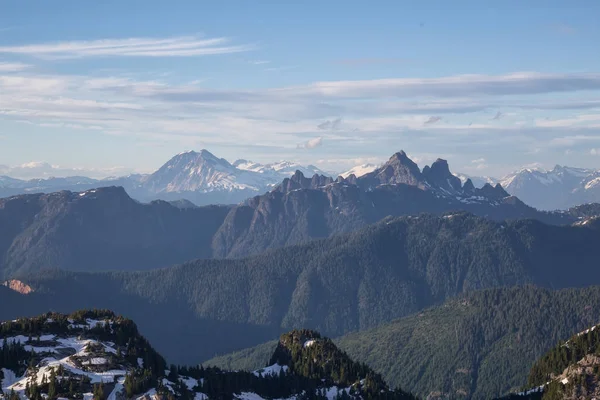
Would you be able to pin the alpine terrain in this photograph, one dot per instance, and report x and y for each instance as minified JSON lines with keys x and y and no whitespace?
{"x":98,"y":355}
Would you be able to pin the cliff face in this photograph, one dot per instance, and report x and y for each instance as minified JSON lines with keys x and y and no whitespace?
{"x":18,"y":286}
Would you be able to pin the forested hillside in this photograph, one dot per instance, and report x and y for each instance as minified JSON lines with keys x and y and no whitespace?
{"x":98,"y":355}
{"x":351,"y":282}
{"x":480,"y":346}
{"x":100,"y":229}
{"x":571,"y":370}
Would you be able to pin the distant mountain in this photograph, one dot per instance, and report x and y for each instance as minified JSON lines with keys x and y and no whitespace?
{"x":96,"y":354}
{"x":480,"y":345}
{"x":101,"y":229}
{"x":345,"y":283}
{"x":359,"y":170}
{"x":278,"y":170}
{"x":105,"y":229}
{"x":302,"y":208}
{"x":198,"y":177}
{"x":478,"y":181}
{"x":559,"y":188}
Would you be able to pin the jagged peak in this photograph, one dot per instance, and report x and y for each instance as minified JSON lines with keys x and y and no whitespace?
{"x":298,"y":175}
{"x":439,"y":175}
{"x":494,"y":192}
{"x":468,"y":186}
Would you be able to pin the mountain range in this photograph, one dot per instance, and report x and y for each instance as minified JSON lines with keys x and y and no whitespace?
{"x":379,"y":261}
{"x":106,"y":229}
{"x":557,"y":189}
{"x":345,"y":283}
{"x":198,"y":177}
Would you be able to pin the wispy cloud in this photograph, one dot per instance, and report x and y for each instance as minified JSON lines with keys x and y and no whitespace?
{"x":259,"y":62}
{"x":38,"y":169}
{"x":330,"y":125}
{"x":497,"y":116}
{"x":180,"y":46}
{"x":279,"y":69}
{"x":13,"y":67}
{"x":432,"y":120}
{"x":311,"y":144}
{"x":370,"y":61}
{"x":353,"y":117}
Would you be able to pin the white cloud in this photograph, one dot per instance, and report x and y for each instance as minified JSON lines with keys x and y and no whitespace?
{"x":330,"y":125}
{"x":13,"y":67}
{"x":275,"y":120}
{"x":595,"y":152}
{"x":181,"y":46}
{"x":312,"y":143}
{"x":38,"y":169}
{"x":478,"y":161}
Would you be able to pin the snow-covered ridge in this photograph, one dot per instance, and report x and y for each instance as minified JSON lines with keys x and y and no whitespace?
{"x":558,"y":188}
{"x":359,"y":170}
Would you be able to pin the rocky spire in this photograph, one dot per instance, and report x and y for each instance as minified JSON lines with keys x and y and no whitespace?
{"x":439,"y":175}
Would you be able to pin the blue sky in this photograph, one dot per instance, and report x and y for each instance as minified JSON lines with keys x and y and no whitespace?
{"x":112,"y":87}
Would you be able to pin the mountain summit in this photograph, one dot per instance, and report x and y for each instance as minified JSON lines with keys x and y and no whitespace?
{"x":398,"y":169}
{"x":201,"y":171}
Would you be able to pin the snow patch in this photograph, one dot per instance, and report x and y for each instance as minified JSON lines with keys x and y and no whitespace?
{"x":273,"y":370}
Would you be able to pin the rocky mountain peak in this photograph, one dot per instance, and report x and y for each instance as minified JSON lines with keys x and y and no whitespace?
{"x":398,"y":169}
{"x":439,"y":175}
{"x":494,"y":192}
{"x":299,"y":181}
{"x":468,"y":187}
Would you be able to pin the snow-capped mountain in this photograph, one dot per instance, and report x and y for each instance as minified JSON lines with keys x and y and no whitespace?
{"x":478,"y":181}
{"x":278,"y":170}
{"x":559,"y":188}
{"x":359,"y":170}
{"x":203,"y":172}
{"x":199,"y":177}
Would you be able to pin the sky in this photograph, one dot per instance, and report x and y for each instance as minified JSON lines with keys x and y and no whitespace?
{"x":114,"y":87}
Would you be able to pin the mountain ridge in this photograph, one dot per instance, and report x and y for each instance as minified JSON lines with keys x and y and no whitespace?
{"x":56,"y":355}
{"x":199,"y":177}
{"x":344,"y":283}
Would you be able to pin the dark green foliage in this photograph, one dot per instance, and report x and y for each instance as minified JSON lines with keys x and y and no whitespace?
{"x":345,"y":283}
{"x":102,"y":230}
{"x":482,"y":344}
{"x":564,"y":354}
{"x":309,"y":355}
{"x":249,"y":359}
{"x":216,"y":383}
{"x":342,"y":284}
{"x":12,"y":356}
{"x":106,"y":229}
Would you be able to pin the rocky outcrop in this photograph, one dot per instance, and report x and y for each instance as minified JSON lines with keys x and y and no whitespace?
{"x":18,"y":286}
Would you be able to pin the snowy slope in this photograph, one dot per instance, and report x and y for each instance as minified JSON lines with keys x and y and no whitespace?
{"x":559,"y":188}
{"x":278,"y":170}
{"x":202,"y":171}
{"x":359,"y":170}
{"x":478,"y":181}
{"x":89,"y":352}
